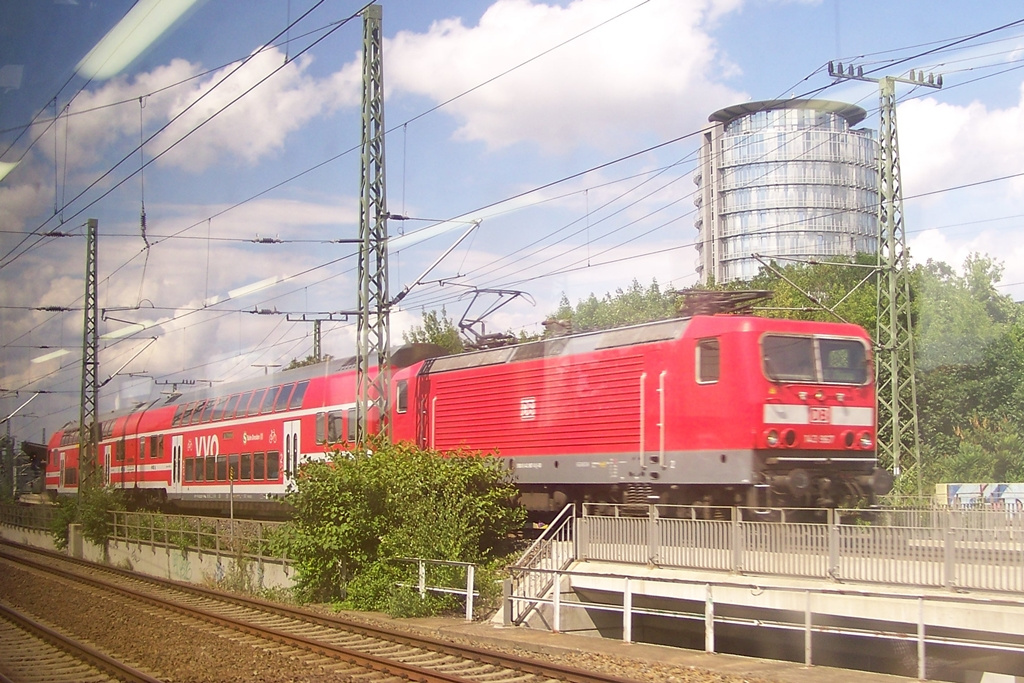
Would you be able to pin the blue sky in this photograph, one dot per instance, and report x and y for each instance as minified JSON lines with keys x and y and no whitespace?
{"x":487,"y":101}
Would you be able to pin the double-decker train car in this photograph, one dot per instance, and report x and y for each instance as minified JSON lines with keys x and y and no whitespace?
{"x":711,"y":409}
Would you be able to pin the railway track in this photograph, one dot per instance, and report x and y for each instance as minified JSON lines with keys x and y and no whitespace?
{"x":32,"y":652}
{"x":317,"y":642}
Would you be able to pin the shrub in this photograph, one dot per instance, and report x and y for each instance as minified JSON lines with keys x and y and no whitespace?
{"x":354,"y":514}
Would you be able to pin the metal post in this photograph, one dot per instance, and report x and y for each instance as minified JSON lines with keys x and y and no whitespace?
{"x":87,"y":425}
{"x":627,"y":612}
{"x":709,"y":621}
{"x":470,"y":580}
{"x":737,"y":542}
{"x":556,"y":602}
{"x":920,"y":639}
{"x":807,"y":630}
{"x":373,"y":329}
{"x":422,"y":570}
{"x":895,"y":366}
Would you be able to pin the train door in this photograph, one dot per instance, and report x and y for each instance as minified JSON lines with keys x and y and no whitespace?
{"x":107,"y":455}
{"x":176,"y":447}
{"x":60,"y":484}
{"x":291,"y":449}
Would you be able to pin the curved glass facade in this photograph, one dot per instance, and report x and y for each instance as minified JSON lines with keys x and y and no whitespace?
{"x":788,"y":178}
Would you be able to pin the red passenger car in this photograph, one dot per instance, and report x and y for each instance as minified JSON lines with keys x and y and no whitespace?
{"x":721,"y":410}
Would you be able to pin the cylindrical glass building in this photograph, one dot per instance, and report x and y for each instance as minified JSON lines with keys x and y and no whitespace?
{"x":784,"y":178}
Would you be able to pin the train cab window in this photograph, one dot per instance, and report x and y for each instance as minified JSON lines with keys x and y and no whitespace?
{"x":259,"y":466}
{"x":788,"y":358}
{"x":211,"y":467}
{"x":300,"y":391}
{"x":268,"y":399}
{"x":282,"y":398}
{"x":190,"y":469}
{"x":351,"y":436}
{"x":708,"y":361}
{"x":245,"y":473}
{"x":402,"y":396}
{"x":233,"y":468}
{"x":843,"y":361}
{"x":254,"y":403}
{"x":222,"y":467}
{"x":273,"y":465}
{"x":230,"y":407}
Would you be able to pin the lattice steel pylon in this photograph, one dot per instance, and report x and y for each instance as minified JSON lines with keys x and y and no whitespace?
{"x":895,"y":368}
{"x":373,"y":329}
{"x":87,"y":425}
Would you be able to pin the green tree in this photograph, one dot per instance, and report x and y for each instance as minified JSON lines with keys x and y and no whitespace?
{"x":437,"y":328}
{"x":843,"y":286}
{"x":308,"y":360}
{"x":633,"y":305}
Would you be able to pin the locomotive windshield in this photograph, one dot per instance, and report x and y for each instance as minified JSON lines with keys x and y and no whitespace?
{"x":814,"y":359}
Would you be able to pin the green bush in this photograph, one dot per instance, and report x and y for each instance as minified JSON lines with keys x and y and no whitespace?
{"x":355,"y":514}
{"x":90,"y":508}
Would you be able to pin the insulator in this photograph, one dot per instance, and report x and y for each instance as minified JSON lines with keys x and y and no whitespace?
{"x":860,"y":71}
{"x":849,"y":71}
{"x":839,"y":68}
{"x":831,"y":68}
{"x":931,"y":79}
{"x":938,"y":81}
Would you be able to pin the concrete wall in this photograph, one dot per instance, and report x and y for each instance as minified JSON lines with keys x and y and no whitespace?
{"x":205,"y":568}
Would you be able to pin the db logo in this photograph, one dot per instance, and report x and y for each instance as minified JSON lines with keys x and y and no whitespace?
{"x":820,"y":415}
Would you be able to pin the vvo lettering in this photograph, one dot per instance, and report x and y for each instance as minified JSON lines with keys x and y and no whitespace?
{"x":207,"y":445}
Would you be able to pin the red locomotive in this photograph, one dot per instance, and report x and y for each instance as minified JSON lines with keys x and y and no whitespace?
{"x":710,"y":409}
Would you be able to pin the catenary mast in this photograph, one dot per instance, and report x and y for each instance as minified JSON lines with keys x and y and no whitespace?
{"x":373,"y":329}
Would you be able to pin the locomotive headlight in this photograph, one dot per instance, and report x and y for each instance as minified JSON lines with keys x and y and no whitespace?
{"x":772,"y":438}
{"x":820,"y":395}
{"x":865,"y":440}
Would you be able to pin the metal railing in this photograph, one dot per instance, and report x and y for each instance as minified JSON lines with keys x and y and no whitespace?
{"x":221,"y":537}
{"x":894,"y":631}
{"x":36,"y":517}
{"x":953,"y":549}
{"x":555,"y":549}
{"x":468,"y":592}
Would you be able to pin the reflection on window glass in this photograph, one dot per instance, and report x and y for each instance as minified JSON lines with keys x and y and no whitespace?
{"x":282,"y":398}
{"x":273,"y":465}
{"x":796,"y":359}
{"x":788,"y":359}
{"x":300,"y":391}
{"x":843,"y":361}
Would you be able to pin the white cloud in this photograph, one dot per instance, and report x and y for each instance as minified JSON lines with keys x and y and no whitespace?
{"x":944,"y":145}
{"x":652,"y":69}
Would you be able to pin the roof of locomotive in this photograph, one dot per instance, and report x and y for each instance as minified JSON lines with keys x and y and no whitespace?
{"x":633,"y":335}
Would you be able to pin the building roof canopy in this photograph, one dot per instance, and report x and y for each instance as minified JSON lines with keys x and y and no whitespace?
{"x":851,"y":112}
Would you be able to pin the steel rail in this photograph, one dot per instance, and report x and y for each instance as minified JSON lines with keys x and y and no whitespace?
{"x":521,"y":664}
{"x":90,"y":655}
